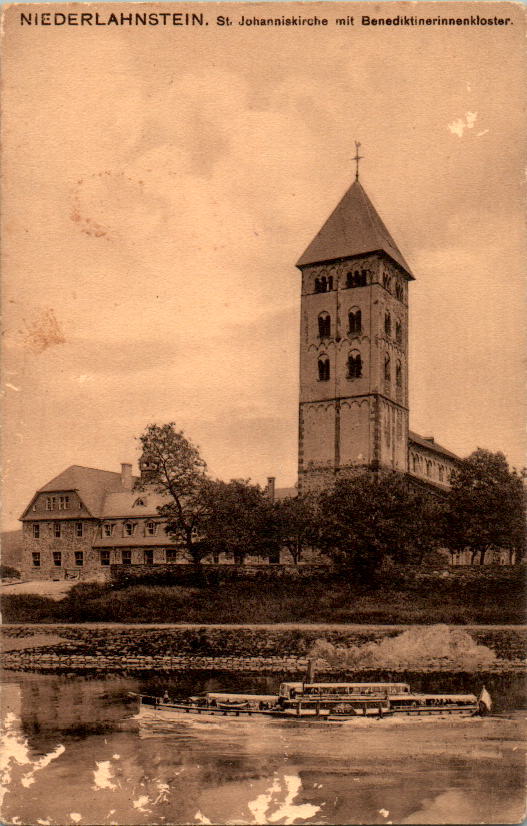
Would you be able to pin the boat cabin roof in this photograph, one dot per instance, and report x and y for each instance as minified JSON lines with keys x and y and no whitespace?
{"x":355,"y":685}
{"x":225,"y":696}
{"x":449,"y":698}
{"x":380,"y":686}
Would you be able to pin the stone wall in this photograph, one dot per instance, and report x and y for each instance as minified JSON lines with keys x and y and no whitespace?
{"x":37,"y":661}
{"x":219,"y":642}
{"x":67,"y":544}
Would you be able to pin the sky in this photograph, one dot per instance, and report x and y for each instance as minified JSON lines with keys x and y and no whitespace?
{"x":160,"y":183}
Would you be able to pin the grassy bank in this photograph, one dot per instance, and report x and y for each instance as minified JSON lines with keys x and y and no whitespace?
{"x":394,"y":599}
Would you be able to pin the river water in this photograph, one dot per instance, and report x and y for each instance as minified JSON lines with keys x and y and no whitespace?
{"x":75,"y":753}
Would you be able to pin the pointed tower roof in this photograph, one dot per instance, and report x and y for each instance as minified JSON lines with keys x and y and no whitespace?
{"x":353,"y":228}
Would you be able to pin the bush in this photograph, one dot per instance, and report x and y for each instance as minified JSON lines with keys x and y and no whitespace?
{"x":7,"y":572}
{"x":28,"y":608}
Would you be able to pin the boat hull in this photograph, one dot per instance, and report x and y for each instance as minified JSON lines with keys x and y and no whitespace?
{"x":166,"y":712}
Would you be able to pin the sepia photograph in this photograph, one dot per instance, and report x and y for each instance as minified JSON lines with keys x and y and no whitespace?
{"x":264,"y":446}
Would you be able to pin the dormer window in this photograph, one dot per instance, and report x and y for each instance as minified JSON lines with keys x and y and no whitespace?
{"x":107,"y":530}
{"x":139,"y":503}
{"x":129,"y":529}
{"x":151,"y":528}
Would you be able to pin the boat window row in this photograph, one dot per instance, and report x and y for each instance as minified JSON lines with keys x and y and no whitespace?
{"x":340,"y":689}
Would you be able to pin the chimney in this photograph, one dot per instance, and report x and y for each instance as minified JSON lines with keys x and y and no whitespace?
{"x":270,"y":487}
{"x":126,"y":476}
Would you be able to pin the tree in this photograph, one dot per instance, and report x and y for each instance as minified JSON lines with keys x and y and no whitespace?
{"x":296,"y":524}
{"x":425,"y":514}
{"x":486,"y":506}
{"x":370,"y":517}
{"x":236,"y":519}
{"x":172,"y":466}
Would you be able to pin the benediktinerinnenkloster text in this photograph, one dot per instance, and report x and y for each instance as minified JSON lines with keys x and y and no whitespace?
{"x":158,"y":18}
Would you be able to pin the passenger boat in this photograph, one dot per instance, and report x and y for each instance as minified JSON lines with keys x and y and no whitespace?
{"x":319,"y":701}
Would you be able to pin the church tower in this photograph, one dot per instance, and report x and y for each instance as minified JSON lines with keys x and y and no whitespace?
{"x":353,"y":347}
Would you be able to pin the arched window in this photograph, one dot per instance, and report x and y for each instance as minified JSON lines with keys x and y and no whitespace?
{"x":357,"y":278}
{"x":398,"y":332}
{"x":330,"y":283}
{"x":429,"y":468}
{"x":355,"y":320}
{"x":323,"y":368}
{"x":398,"y":375}
{"x":399,"y":291}
{"x":388,"y":324}
{"x":387,"y":369}
{"x":317,"y":285}
{"x":415,"y":463}
{"x":354,"y":365}
{"x":323,"y":284}
{"x":441,"y":473}
{"x":324,"y":325}
{"x":139,"y":503}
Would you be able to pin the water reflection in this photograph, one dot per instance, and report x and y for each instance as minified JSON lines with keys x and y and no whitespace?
{"x":75,"y":754}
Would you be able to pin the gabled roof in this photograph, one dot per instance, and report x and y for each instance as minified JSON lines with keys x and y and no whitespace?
{"x":353,"y":228}
{"x":91,"y":484}
{"x":430,"y":444}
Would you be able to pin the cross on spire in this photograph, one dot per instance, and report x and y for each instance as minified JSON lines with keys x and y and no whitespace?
{"x":357,"y":158}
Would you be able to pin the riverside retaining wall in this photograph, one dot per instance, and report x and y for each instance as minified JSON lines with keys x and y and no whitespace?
{"x":239,"y":648}
{"x":33,"y":660}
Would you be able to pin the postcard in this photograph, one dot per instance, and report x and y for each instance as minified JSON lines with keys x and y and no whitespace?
{"x":264,"y":407}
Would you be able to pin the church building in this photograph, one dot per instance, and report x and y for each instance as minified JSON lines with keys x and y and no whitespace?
{"x":353,"y":407}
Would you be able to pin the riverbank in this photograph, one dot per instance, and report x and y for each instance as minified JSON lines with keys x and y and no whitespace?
{"x":398,"y":596}
{"x":275,"y":647}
